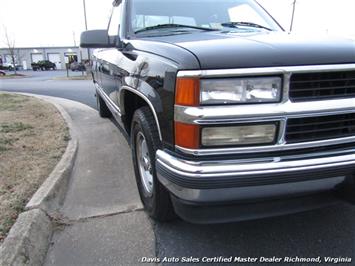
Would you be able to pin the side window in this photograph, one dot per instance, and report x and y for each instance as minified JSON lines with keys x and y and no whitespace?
{"x":115,"y":21}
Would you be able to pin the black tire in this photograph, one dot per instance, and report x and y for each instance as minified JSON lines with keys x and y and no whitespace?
{"x":158,"y":204}
{"x":102,"y":107}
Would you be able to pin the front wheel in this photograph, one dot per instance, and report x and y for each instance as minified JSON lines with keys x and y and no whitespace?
{"x":144,"y":143}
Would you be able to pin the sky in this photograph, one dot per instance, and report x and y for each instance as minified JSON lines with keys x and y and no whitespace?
{"x":60,"y":22}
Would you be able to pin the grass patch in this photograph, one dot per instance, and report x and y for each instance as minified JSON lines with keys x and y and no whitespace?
{"x":5,"y":143}
{"x":6,"y":224}
{"x":67,"y":137}
{"x":10,"y":102}
{"x":3,"y":148}
{"x":33,"y":138}
{"x":14,"y":127}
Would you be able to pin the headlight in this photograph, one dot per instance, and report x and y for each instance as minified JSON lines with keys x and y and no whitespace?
{"x":241,"y":90}
{"x":239,"y":135}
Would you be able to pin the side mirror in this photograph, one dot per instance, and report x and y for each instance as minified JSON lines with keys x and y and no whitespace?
{"x":97,"y":39}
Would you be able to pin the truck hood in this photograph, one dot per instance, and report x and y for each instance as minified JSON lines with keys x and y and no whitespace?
{"x":216,"y":50}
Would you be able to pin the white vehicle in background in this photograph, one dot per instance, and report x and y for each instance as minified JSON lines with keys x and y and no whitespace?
{"x":11,"y":67}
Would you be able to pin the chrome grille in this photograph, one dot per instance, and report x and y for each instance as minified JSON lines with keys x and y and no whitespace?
{"x":320,"y":128}
{"x":322,"y":86}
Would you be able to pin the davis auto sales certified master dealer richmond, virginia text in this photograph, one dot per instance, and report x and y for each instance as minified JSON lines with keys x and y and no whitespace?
{"x":231,"y":259}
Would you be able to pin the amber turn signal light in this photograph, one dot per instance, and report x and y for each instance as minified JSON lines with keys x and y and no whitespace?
{"x":187,"y":136}
{"x":187,"y":91}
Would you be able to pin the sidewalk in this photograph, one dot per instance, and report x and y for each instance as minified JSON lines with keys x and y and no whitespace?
{"x":102,"y":217}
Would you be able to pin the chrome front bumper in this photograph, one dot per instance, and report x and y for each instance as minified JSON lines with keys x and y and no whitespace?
{"x":206,"y":182}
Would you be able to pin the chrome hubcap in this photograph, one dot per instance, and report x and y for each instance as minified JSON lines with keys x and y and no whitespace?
{"x":144,"y":164}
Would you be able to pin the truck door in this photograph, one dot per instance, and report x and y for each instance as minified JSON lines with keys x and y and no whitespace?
{"x":111,"y":76}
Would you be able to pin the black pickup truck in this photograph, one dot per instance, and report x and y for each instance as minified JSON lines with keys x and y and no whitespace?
{"x":229,"y":116}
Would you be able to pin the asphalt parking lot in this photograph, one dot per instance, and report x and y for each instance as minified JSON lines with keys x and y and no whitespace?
{"x":327,"y":232}
{"x":43,"y":83}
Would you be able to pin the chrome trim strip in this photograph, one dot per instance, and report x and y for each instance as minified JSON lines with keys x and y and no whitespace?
{"x":243,"y":168}
{"x":282,"y":132}
{"x":150,"y":106}
{"x":286,"y":87}
{"x":111,"y":105}
{"x":265,"y":70}
{"x":278,"y":147}
{"x":227,"y":115}
{"x":207,"y":115}
{"x":114,"y":108}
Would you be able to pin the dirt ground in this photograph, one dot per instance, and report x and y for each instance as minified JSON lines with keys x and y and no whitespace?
{"x":33,"y":138}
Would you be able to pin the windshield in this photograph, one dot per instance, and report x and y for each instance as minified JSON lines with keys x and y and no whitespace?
{"x":236,"y":15}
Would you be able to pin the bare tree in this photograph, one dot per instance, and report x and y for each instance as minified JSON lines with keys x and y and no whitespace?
{"x":10,"y":45}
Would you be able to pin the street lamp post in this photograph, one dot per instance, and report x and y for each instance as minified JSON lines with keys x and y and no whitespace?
{"x":86,"y":23}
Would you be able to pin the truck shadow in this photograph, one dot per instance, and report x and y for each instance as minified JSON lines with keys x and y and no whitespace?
{"x":325,"y":232}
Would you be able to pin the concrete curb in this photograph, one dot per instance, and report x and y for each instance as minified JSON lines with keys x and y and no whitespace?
{"x":28,"y":239}
{"x":52,"y":192}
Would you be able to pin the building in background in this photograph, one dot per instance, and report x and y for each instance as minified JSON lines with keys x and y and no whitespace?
{"x":58,"y":55}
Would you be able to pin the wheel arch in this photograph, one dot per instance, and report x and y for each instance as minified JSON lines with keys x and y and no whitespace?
{"x":126,"y":92}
